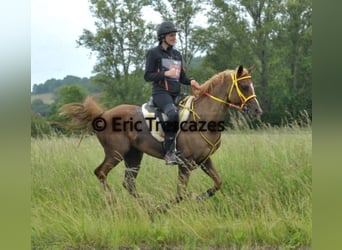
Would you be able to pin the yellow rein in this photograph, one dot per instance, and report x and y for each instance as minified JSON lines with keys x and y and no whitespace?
{"x":244,"y":99}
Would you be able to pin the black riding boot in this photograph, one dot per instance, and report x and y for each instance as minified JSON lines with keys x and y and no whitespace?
{"x":170,"y":149}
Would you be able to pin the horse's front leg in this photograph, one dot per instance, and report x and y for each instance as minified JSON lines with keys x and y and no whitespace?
{"x":183,"y":180}
{"x":210,"y":170}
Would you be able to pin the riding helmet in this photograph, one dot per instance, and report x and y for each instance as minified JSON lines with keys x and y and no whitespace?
{"x":166,"y":28}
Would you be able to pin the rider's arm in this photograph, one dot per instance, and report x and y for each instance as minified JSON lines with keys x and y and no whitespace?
{"x":152,"y":67}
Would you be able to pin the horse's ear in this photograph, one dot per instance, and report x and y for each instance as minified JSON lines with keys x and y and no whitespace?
{"x":250,"y":69}
{"x":239,"y":71}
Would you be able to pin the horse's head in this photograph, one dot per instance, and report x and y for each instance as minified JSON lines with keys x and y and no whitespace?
{"x":241,"y":92}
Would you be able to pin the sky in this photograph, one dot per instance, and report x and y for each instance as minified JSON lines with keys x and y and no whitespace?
{"x":55,"y":27}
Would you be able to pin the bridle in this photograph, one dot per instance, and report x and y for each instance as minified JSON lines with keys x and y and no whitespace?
{"x":242,"y":97}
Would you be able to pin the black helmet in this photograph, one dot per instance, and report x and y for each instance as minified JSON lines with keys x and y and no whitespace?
{"x":166,"y":28}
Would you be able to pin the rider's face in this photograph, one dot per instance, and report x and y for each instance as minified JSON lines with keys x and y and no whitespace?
{"x":171,"y":38}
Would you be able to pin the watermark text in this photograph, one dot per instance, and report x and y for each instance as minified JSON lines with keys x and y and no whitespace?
{"x":118,"y":124}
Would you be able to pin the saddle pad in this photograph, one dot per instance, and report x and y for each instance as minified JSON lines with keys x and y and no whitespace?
{"x":153,"y":123}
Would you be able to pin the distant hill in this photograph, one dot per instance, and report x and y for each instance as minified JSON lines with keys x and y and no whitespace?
{"x":46,"y":98}
{"x":52,"y":85}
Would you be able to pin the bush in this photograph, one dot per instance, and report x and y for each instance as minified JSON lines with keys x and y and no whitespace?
{"x":39,"y":126}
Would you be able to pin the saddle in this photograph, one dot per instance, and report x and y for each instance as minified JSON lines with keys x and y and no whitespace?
{"x":154,"y":116}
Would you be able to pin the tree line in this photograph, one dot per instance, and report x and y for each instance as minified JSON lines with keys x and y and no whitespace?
{"x":52,"y":85}
{"x":275,"y":36}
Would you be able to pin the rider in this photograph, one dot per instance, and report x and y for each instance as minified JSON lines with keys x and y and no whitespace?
{"x":164,"y":68}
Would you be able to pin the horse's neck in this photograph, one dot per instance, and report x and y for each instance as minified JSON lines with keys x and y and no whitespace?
{"x":210,"y":109}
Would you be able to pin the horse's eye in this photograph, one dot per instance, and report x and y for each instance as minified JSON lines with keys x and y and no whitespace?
{"x":244,"y":87}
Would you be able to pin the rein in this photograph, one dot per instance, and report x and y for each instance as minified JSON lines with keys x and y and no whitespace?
{"x":243,"y":99}
{"x":214,"y":146}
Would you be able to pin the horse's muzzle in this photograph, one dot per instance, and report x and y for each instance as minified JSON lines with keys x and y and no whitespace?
{"x":253,"y":112}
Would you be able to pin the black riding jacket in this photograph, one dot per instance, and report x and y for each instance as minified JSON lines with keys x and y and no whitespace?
{"x":158,"y":61}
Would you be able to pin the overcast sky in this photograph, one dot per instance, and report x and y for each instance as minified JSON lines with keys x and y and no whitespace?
{"x":55,"y":27}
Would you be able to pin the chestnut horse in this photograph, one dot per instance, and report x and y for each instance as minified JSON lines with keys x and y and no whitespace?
{"x":198,"y":139}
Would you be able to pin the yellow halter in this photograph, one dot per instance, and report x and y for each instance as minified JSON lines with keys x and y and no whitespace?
{"x":244,"y":99}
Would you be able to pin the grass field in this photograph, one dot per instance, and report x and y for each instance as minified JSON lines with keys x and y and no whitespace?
{"x":265,"y":203}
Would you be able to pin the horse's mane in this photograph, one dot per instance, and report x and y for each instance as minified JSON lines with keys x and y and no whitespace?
{"x":218,"y":78}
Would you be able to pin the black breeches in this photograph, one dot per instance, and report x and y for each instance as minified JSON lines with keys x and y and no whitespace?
{"x":165,"y":102}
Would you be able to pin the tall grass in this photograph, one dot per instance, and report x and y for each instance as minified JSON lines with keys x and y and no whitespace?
{"x":265,"y":202}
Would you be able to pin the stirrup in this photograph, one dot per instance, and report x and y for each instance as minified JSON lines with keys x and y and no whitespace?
{"x":171,"y":159}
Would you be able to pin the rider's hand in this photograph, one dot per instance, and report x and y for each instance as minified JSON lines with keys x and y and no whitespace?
{"x":195,"y":88}
{"x":172,"y":73}
{"x":194,"y":84}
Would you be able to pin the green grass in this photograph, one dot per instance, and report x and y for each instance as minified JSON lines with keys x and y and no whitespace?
{"x":265,"y":202}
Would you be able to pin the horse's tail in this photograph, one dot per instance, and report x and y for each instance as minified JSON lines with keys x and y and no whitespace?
{"x":81,"y":114}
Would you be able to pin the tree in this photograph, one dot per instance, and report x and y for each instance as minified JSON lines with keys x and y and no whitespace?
{"x":51,"y":85}
{"x":39,"y":107}
{"x":298,"y":33}
{"x":290,"y":75}
{"x":39,"y":126}
{"x":120,"y":42}
{"x":276,"y":37}
{"x":68,"y":94}
{"x":249,"y":26}
{"x":64,"y":95}
{"x":192,"y":38}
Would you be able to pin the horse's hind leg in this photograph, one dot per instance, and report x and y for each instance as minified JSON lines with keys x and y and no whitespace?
{"x":132,"y":160}
{"x":183,"y":180}
{"x":103,"y":169}
{"x":210,"y":170}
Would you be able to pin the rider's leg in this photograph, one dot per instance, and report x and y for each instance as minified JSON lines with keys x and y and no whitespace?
{"x":170,"y":128}
{"x":166,"y":103}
